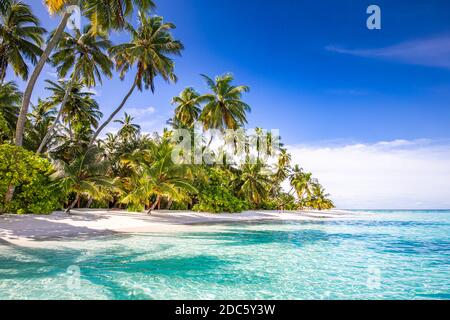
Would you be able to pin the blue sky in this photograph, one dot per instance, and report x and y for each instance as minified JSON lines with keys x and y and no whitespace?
{"x":315,"y":71}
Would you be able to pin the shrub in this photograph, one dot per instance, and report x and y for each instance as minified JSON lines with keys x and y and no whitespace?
{"x":216,"y":195}
{"x":30,"y":175}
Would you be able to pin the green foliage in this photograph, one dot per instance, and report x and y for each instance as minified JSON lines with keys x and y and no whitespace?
{"x":216,"y":194}
{"x":30,"y":175}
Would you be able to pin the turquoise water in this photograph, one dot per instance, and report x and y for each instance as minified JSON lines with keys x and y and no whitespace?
{"x":382,"y":255}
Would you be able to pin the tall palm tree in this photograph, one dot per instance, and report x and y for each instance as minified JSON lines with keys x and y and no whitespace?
{"x":21,"y":39}
{"x":187,"y":109}
{"x":85,"y":175}
{"x":224,"y":107}
{"x":149,"y":52}
{"x":128,"y":129}
{"x":83,"y":53}
{"x":104,"y":15}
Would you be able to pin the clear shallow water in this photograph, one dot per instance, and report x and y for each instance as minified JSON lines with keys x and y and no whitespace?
{"x":384,"y":255}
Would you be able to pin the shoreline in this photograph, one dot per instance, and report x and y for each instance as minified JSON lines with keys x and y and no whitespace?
{"x":35,"y":230}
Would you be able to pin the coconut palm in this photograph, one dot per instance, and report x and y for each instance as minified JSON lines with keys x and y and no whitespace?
{"x":80,"y":107}
{"x":10,"y":97}
{"x":187,"y":109}
{"x":110,"y":14}
{"x":255,"y":184}
{"x":84,"y":175}
{"x":149,"y":52}
{"x":319,"y":199}
{"x":282,"y":167}
{"x":128,"y":129}
{"x":83,"y":53}
{"x":4,"y":5}
{"x":156,"y":175}
{"x":302,"y":182}
{"x":224,"y":108}
{"x":41,"y":117}
{"x":21,"y":39}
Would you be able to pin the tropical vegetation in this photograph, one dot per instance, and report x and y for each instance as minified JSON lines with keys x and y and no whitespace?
{"x":55,"y":153}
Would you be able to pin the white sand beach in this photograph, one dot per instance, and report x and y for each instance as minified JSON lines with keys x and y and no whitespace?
{"x":33,"y":230}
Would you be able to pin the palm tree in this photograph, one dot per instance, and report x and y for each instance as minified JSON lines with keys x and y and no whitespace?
{"x":79,"y":107}
{"x":21,"y":39}
{"x":129,"y":129}
{"x":149,"y":51}
{"x":282,"y":166}
{"x":110,"y":14}
{"x":187,"y":107}
{"x":41,"y":117}
{"x":10,"y":97}
{"x":84,"y":54}
{"x":224,"y":108}
{"x":85,"y":175}
{"x":255,"y":184}
{"x":4,"y":5}
{"x":319,"y":199}
{"x":155,"y":174}
{"x":302,"y":182}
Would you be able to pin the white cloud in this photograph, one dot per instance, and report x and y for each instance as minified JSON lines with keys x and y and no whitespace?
{"x":394,"y":174}
{"x":139,"y":112}
{"x":434,"y":52}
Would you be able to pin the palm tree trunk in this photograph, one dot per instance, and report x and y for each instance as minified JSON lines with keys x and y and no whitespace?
{"x":34,"y":77}
{"x":158,"y":200}
{"x":22,"y":119}
{"x":9,"y":194}
{"x":89,"y":203}
{"x":61,"y":109}
{"x":73,"y":204}
{"x":111,"y":117}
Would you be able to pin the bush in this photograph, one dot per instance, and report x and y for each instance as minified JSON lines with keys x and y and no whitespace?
{"x":216,"y":195}
{"x":30,"y":175}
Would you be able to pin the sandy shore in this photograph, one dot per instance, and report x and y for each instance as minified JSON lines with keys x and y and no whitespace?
{"x":30,"y":229}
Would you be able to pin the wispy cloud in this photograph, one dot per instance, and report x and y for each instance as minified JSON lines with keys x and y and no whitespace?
{"x":387,"y":174}
{"x":139,"y":112}
{"x":432,"y":52}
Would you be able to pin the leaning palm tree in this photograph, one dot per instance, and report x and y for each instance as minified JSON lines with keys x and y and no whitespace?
{"x":187,"y":107}
{"x":149,"y":52}
{"x":224,"y":108}
{"x":103,"y":14}
{"x":83,"y":54}
{"x":21,"y":39}
{"x":85,"y":175}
